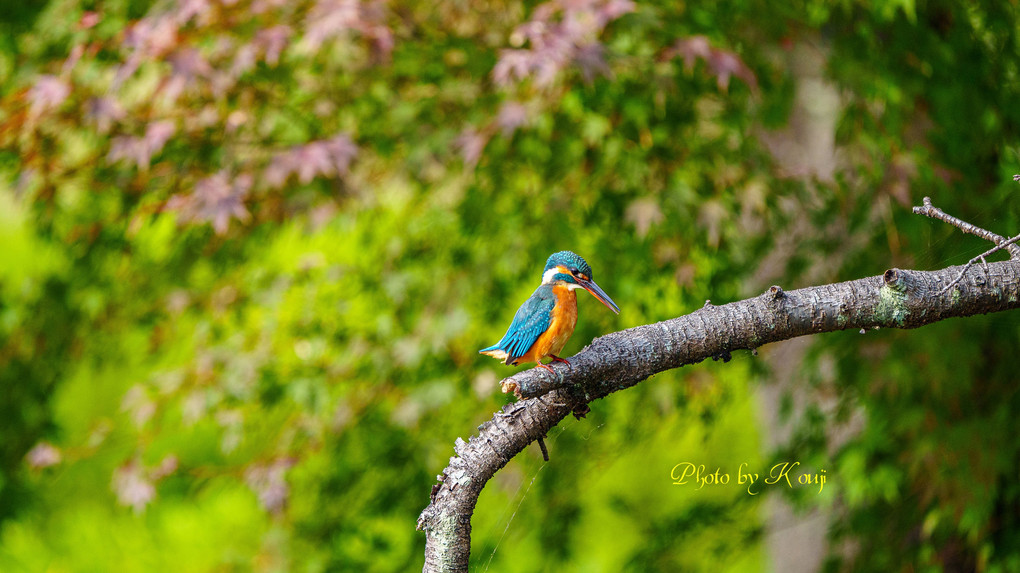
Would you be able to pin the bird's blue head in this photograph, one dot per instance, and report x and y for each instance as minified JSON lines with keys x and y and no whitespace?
{"x":569,"y":268}
{"x":567,"y":265}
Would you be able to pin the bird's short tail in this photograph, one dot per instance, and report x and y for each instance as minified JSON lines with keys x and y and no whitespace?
{"x":496,"y":352}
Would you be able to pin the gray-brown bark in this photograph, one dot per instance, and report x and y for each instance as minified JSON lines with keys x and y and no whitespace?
{"x":896,"y":299}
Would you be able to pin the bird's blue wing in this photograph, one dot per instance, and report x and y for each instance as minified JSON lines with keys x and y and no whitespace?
{"x":531,"y":320}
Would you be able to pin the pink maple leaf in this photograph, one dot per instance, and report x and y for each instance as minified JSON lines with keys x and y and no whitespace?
{"x":331,"y":19}
{"x":272,"y":41}
{"x":471,"y":143}
{"x":132,"y":487}
{"x":140,"y":150}
{"x":269,"y":483}
{"x":47,"y":93}
{"x":559,"y":33}
{"x":329,"y":157}
{"x":690,"y":49}
{"x":724,"y":64}
{"x":512,"y":115}
{"x":217,"y":200}
{"x":104,"y":111}
{"x":43,"y":455}
{"x":512,"y":65}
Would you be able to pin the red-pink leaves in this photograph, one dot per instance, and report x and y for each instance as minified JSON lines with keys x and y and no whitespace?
{"x":140,"y":150}
{"x":722,"y":63}
{"x":560,"y":33}
{"x":217,"y":199}
{"x":512,"y":115}
{"x":47,"y":93}
{"x":331,"y":19}
{"x":327,"y":158}
{"x":471,"y":143}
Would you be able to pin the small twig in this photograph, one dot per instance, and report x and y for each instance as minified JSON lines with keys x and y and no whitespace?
{"x":1010,"y":245}
{"x":545,"y":452}
{"x":929,"y":210}
{"x":984,"y":264}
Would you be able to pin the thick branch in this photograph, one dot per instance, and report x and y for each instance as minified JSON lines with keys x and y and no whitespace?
{"x":896,"y":299}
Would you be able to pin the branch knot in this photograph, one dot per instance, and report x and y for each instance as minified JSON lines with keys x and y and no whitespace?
{"x":775,"y":293}
{"x":894,"y":280}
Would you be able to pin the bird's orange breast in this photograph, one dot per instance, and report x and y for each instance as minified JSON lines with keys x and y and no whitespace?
{"x":561,"y":325}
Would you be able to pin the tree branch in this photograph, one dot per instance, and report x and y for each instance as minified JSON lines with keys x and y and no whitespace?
{"x":981,"y":258}
{"x":896,"y":299}
{"x":929,"y":210}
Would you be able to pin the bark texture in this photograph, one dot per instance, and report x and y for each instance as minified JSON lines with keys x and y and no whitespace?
{"x":896,"y":299}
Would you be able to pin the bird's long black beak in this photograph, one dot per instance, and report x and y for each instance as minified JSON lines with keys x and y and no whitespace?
{"x":597,"y":292}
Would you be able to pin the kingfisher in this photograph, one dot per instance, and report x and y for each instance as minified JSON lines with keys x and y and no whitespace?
{"x":545,"y":321}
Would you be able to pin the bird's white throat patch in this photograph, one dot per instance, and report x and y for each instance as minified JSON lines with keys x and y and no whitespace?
{"x":547,"y":278}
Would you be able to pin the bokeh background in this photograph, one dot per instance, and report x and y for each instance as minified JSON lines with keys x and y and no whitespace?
{"x":249,"y":250}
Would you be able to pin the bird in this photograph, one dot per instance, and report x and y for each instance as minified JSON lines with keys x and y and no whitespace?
{"x":543,"y":324}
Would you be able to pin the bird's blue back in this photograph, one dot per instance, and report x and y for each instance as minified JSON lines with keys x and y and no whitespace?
{"x":531,"y":320}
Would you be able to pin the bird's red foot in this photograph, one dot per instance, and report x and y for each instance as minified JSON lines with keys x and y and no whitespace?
{"x":558,"y":359}
{"x":547,"y":367}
